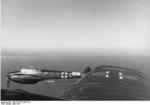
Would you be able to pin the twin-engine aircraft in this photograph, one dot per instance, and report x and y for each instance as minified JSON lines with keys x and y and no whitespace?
{"x":101,"y":83}
{"x":33,"y":76}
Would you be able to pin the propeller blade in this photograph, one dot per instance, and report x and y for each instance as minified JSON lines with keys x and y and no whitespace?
{"x":8,"y":81}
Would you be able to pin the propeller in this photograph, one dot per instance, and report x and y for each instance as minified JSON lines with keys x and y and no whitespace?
{"x":8,"y":80}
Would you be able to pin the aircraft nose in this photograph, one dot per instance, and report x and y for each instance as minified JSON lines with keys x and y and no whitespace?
{"x":14,"y":76}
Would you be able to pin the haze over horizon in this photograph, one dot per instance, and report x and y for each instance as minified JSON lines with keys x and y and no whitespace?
{"x":76,"y":25}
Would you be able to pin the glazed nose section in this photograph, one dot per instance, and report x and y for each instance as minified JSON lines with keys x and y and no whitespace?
{"x":14,"y":77}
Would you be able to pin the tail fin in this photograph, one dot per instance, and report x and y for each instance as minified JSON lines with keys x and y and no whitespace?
{"x":87,"y":70}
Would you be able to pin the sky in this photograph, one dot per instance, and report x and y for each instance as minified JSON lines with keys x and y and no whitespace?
{"x":76,"y":24}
